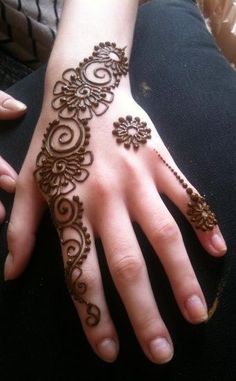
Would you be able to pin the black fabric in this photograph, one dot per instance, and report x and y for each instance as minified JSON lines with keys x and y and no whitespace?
{"x":181,"y":79}
{"x":11,"y":70}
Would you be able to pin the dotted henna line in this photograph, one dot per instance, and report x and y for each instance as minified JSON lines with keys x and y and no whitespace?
{"x":198,"y":210}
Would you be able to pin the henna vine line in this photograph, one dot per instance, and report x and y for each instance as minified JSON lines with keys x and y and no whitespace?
{"x":197,"y":209}
{"x":83,"y":92}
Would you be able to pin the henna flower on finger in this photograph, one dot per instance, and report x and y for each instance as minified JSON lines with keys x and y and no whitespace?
{"x":200,"y":213}
{"x":198,"y":210}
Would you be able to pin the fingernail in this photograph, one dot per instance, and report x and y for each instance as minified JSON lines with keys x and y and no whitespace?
{"x":197,"y":312}
{"x":13,"y":105}
{"x":161,"y":350}
{"x":108,"y":350}
{"x":7,"y":267}
{"x":7,"y":183}
{"x":218,"y":243}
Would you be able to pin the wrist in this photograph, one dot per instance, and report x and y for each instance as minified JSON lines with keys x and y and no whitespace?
{"x":89,"y":87}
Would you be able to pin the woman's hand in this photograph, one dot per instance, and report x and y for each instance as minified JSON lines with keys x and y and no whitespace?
{"x":116,"y":186}
{"x":10,"y":108}
{"x":96,"y":186}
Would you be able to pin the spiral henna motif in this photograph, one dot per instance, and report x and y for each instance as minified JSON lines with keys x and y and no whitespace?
{"x":64,"y":158}
{"x":68,"y":214}
{"x":87,"y":90}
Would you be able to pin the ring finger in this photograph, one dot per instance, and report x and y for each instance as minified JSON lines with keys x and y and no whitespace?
{"x":130,"y":276}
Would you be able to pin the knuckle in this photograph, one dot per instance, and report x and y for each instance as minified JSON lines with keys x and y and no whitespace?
{"x":131,"y":168}
{"x":129,"y":164}
{"x":185,"y":283}
{"x":149,"y":324}
{"x":127,"y":268}
{"x":168,"y":232}
{"x":102,"y":186}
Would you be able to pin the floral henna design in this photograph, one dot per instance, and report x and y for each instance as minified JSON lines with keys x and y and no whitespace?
{"x":87,"y":90}
{"x":131,"y":131}
{"x":68,"y":214}
{"x":60,"y":165}
{"x":198,"y":210}
{"x":113,"y":58}
{"x":64,"y":158}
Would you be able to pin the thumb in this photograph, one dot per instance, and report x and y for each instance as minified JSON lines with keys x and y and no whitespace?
{"x":25,"y":217}
{"x":10,"y":108}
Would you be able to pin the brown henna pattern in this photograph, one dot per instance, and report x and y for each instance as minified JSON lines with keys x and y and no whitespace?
{"x":64,"y":158}
{"x":87,"y":89}
{"x":131,"y":131}
{"x":68,"y":214}
{"x":198,"y":210}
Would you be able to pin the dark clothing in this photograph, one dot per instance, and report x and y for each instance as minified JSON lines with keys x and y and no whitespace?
{"x":181,"y":79}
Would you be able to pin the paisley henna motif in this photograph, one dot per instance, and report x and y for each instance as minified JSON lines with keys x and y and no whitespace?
{"x":131,"y":131}
{"x":64,"y":158}
{"x":198,"y":210}
{"x":87,"y":90}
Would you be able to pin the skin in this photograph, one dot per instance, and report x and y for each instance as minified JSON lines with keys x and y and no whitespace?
{"x":113,"y":196}
{"x":10,"y":108}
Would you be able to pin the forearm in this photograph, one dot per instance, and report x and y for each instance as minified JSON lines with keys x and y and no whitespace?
{"x":85,"y":23}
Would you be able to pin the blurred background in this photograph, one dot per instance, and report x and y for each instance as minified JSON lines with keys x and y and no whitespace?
{"x":220,"y":17}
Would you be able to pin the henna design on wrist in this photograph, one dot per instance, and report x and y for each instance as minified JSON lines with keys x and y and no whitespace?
{"x":131,"y":131}
{"x":87,"y":89}
{"x":198,"y":210}
{"x":64,"y":158}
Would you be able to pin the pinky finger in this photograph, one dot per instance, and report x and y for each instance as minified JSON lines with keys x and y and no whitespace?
{"x":194,"y":207}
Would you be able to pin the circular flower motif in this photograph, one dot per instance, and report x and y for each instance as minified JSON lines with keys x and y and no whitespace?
{"x":113,"y":57}
{"x":200,"y":213}
{"x":131,"y":132}
{"x":58,"y":175}
{"x":78,"y":99}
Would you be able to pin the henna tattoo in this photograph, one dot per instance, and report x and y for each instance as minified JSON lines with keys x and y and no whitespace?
{"x":87,"y":89}
{"x":198,"y":210}
{"x":68,"y":214}
{"x":64,"y":158}
{"x":131,"y":131}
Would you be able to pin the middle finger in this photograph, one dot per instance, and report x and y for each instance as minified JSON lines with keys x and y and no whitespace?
{"x":130,"y":276}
